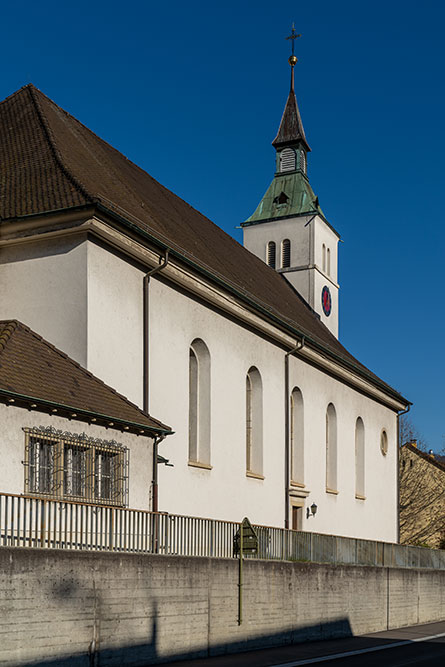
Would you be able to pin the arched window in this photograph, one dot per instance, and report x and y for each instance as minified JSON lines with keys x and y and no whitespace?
{"x":328,"y":262}
{"x":199,"y":403}
{"x":359,"y":458}
{"x":331,"y":448}
{"x":271,"y":254}
{"x":287,"y":159}
{"x":285,"y":254}
{"x":323,"y":258}
{"x":297,"y":436}
{"x":254,"y":422}
{"x":303,"y":164}
{"x":384,"y":443}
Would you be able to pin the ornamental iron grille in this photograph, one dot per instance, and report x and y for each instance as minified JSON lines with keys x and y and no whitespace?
{"x":64,"y":465}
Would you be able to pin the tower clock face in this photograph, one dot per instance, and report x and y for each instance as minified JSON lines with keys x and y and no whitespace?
{"x":326,"y":300}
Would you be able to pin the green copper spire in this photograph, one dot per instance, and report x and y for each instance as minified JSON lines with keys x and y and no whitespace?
{"x":290,"y":193}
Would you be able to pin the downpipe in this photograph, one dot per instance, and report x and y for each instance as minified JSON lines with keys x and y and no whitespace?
{"x":399,"y":444}
{"x":146,"y":395}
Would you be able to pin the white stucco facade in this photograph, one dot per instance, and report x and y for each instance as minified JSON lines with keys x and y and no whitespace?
{"x":12,"y":448}
{"x":96,"y":290}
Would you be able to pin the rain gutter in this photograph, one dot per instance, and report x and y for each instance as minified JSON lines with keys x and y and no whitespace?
{"x":255,"y":304}
{"x":143,"y":429}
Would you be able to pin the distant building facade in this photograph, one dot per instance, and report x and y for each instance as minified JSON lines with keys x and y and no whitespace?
{"x":422,"y":497}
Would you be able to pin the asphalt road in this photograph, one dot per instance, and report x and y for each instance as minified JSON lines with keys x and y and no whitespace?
{"x":416,"y":645}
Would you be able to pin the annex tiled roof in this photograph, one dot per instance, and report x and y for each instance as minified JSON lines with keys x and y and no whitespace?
{"x":31,"y":367}
{"x":50,"y":161}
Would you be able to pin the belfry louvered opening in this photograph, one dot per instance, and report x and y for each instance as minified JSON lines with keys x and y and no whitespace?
{"x":285,"y":254}
{"x":287,"y":160}
{"x":271,"y":254}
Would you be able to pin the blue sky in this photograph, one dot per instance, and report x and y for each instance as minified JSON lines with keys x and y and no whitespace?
{"x":193,"y":92}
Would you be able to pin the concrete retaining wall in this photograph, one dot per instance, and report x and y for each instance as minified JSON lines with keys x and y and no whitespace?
{"x":108,"y":609}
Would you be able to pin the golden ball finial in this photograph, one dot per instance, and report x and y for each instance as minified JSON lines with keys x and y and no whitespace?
{"x":293,"y":60}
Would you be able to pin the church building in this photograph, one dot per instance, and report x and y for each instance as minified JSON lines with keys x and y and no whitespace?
{"x":236,"y":348}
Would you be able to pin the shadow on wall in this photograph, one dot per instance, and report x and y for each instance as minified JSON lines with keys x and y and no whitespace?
{"x":140,"y":655}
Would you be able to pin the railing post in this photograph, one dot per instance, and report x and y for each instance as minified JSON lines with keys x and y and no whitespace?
{"x":42,"y":522}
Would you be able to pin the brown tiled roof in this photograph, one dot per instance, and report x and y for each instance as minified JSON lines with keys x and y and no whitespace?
{"x":33,"y":368}
{"x":435,"y":460}
{"x":50,"y":161}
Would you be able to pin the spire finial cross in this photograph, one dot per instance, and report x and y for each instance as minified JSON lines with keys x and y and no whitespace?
{"x":293,"y":36}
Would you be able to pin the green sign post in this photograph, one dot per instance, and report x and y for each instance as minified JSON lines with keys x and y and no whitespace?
{"x":245,"y":541}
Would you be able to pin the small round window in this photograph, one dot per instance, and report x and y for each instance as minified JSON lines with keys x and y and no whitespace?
{"x":384,"y":443}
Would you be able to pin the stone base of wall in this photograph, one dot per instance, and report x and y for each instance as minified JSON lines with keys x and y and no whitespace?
{"x":73,"y":607}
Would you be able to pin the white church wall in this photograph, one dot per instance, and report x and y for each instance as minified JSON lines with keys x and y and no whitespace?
{"x":342,"y":513}
{"x":115,"y":322}
{"x":44,"y":285}
{"x":224,"y":491}
{"x":12,"y":450}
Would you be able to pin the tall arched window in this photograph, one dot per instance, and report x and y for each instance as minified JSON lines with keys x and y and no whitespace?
{"x":285,"y":254}
{"x":297,"y":436}
{"x":359,"y":458}
{"x":254,"y":422}
{"x":323,"y":257}
{"x":199,"y":403}
{"x":331,"y":448}
{"x":287,"y":159}
{"x":328,"y":262}
{"x":271,"y":254}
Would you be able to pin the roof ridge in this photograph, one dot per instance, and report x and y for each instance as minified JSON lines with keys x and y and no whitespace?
{"x":7,"y":332}
{"x":52,"y":143}
{"x":18,"y":325}
{"x":16,"y":92}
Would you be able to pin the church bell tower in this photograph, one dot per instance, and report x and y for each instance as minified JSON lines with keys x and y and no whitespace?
{"x":288,"y":230}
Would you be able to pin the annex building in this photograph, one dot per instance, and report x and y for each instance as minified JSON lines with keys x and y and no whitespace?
{"x":234,"y":347}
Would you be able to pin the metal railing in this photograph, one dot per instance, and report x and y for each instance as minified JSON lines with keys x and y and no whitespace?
{"x":54,"y":524}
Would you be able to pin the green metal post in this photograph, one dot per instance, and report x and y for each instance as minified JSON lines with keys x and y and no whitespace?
{"x":240,"y":581}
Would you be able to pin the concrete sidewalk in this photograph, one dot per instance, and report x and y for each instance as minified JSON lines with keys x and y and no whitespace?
{"x":369,"y":644}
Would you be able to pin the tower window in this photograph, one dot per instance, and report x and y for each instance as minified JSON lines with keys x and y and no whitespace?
{"x":323,"y":263}
{"x":328,"y":262}
{"x":285,"y":254}
{"x":287,"y":160}
{"x":282,"y":198}
{"x":303,"y":163}
{"x":271,"y":254}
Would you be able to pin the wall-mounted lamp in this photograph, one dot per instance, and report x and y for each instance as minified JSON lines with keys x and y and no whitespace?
{"x":312,"y":511}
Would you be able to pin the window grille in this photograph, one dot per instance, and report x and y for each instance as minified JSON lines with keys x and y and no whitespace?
{"x":64,"y":465}
{"x":285,"y":254}
{"x":287,"y":160}
{"x":271,"y":254}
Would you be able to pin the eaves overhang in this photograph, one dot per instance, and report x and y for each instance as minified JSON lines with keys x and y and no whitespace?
{"x":70,"y":412}
{"x":266,"y":311}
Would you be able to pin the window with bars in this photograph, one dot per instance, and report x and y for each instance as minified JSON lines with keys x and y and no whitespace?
{"x":75,"y":467}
